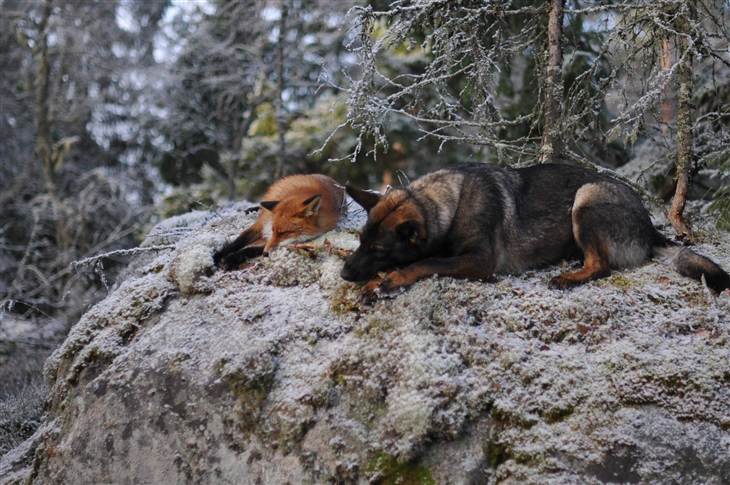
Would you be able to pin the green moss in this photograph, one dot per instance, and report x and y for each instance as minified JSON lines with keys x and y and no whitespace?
{"x":185,"y":200}
{"x":613,"y":366}
{"x":389,"y":471}
{"x":496,"y":454}
{"x":362,"y":395}
{"x":696,"y":298}
{"x":720,"y":207}
{"x":265,"y":122}
{"x":289,"y":268}
{"x":373,"y":327}
{"x":620,"y":281}
{"x":156,"y":268}
{"x":558,"y":413}
{"x":511,"y":417}
{"x":344,"y":300}
{"x":251,"y":388}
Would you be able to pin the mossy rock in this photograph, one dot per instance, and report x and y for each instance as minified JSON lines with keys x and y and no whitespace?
{"x":389,"y":471}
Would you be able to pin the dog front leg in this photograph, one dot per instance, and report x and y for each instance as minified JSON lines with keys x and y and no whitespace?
{"x":468,"y":266}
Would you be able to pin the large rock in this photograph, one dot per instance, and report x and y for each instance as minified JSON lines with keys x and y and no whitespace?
{"x":274,"y":374}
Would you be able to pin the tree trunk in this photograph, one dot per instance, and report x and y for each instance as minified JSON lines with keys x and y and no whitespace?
{"x":248,"y":117}
{"x":666,"y":59}
{"x":684,"y":139}
{"x":43,"y":143}
{"x":42,"y":83}
{"x":552,"y":145}
{"x":280,"y":115}
{"x":243,"y":126}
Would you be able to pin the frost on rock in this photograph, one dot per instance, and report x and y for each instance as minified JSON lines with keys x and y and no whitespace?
{"x":276,"y":373}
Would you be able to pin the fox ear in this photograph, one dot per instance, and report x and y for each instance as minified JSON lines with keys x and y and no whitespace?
{"x":408,"y":230}
{"x":311,"y":205}
{"x":365,"y":198}
{"x":269,"y":204}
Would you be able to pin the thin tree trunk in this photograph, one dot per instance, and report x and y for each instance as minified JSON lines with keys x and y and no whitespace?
{"x":248,"y":118}
{"x":280,"y":115}
{"x":254,"y":101}
{"x":43,"y":144}
{"x":42,"y":84}
{"x":552,"y":145}
{"x":684,"y":142}
{"x":666,"y":59}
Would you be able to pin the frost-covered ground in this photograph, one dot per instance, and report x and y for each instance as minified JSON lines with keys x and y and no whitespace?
{"x":24,"y":346}
{"x":275,"y":373}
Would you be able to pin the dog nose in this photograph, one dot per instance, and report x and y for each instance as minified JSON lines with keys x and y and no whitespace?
{"x":347,"y":274}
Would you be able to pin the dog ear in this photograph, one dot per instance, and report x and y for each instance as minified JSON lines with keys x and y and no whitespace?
{"x":311,"y":205}
{"x":269,"y":204}
{"x":365,"y":198}
{"x":408,"y":231}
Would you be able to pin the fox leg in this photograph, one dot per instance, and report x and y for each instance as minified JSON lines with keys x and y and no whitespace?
{"x":231,"y":254}
{"x":233,"y":260}
{"x":469,"y":266}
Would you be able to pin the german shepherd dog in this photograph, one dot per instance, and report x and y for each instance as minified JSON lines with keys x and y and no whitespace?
{"x":475,"y":220}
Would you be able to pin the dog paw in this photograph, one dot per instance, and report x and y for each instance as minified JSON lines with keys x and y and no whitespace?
{"x":382,"y":286}
{"x":393,"y":281}
{"x":373,"y":289}
{"x":369,"y":293}
{"x":560,"y":283}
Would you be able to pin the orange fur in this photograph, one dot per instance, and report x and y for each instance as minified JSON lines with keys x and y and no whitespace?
{"x":294,"y":209}
{"x":291,"y":219}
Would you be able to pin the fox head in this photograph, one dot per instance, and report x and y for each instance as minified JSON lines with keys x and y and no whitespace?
{"x":394,"y":235}
{"x":293,"y":219}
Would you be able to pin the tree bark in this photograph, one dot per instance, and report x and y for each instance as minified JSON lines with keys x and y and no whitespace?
{"x":42,"y":83}
{"x":684,"y":139}
{"x":280,"y":115}
{"x":254,"y":100}
{"x":552,"y":144}
{"x":666,"y":59}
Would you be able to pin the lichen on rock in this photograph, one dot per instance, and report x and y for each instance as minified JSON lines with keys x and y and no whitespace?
{"x":275,"y":373}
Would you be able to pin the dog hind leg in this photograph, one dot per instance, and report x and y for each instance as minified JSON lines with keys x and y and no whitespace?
{"x":595,"y":266}
{"x":611,"y":227}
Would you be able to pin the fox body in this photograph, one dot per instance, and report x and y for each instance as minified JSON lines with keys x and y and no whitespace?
{"x":475,"y":220}
{"x":294,"y":209}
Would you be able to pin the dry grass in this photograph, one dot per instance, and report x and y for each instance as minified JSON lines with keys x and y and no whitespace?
{"x":22,"y":392}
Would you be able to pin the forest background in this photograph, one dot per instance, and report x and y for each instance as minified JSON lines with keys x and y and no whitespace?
{"x":115,"y":114}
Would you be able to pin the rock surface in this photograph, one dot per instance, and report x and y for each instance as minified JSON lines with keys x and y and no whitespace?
{"x":275,"y":374}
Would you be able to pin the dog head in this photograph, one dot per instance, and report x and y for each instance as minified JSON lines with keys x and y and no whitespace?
{"x":394,"y":235}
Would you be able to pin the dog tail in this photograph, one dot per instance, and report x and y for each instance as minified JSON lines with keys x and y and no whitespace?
{"x":692,"y":265}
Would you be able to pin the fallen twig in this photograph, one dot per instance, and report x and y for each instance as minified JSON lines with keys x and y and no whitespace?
{"x":120,"y":252}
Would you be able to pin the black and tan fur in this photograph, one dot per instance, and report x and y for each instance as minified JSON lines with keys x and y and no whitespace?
{"x":475,"y":220}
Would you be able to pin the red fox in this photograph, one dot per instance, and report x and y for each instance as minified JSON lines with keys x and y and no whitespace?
{"x":294,"y":209}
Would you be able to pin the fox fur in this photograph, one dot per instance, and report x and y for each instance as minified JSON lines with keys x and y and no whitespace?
{"x":293,"y":210}
{"x":475,"y":220}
